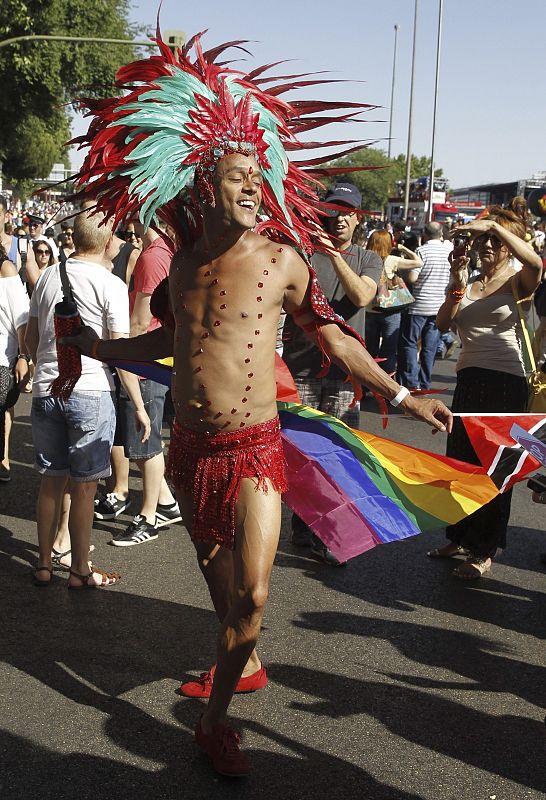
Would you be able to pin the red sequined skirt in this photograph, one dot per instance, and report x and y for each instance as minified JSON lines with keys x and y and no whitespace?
{"x":210,"y":467}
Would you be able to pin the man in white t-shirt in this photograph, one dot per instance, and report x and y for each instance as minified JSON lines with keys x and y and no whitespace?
{"x":73,"y":438}
{"x":428,"y":286}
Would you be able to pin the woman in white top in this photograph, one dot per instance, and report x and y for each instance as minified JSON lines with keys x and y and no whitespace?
{"x":490,"y":370}
{"x":13,"y":319}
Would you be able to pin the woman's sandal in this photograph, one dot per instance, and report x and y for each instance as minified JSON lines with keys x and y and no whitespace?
{"x":107,"y":579}
{"x":56,"y":559}
{"x":472,"y":569}
{"x":37,"y":581}
{"x":447,"y":552}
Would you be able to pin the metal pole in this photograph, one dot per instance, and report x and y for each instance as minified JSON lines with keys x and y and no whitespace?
{"x":408,"y":154}
{"x":396,"y":27}
{"x":436,"y":86}
{"x":32,"y":37}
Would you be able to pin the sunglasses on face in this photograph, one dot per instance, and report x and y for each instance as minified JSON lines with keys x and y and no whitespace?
{"x":43,"y":252}
{"x":487,"y":237}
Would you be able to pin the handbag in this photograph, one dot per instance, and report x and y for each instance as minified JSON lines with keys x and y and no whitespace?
{"x":7,"y":382}
{"x":392,"y":295}
{"x":536,"y":381}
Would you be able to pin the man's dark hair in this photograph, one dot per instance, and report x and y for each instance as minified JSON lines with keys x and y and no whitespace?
{"x":3,"y":202}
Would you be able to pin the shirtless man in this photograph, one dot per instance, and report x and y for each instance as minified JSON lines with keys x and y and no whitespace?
{"x":226,"y":294}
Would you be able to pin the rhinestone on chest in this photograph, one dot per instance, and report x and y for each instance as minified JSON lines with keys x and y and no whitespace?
{"x":224,"y":310}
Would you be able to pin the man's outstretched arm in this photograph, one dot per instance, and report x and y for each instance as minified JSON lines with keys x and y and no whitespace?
{"x":351,"y":356}
{"x":149,"y":346}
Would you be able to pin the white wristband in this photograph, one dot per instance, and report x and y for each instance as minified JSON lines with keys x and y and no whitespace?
{"x":402,"y":394}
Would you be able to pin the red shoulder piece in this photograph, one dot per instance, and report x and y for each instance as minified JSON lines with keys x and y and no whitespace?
{"x":160,"y":305}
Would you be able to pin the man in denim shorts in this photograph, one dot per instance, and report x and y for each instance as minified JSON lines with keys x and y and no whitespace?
{"x":158,"y":505}
{"x":73,"y":437}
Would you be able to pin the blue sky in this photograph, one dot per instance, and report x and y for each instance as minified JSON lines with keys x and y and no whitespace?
{"x":491,"y":120}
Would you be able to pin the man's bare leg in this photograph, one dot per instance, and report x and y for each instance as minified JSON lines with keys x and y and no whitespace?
{"x":8,"y":424}
{"x":48,"y":511}
{"x":118,"y":482}
{"x":166,"y":497}
{"x":257,"y":537}
{"x":80,"y":524}
{"x":62,"y":539}
{"x":152,"y":470}
{"x":216,"y":565}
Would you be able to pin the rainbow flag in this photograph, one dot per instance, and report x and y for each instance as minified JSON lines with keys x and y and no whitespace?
{"x":357,"y":490}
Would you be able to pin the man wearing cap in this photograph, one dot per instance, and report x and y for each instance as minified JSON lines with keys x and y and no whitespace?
{"x":36,"y":233}
{"x":349,"y":276}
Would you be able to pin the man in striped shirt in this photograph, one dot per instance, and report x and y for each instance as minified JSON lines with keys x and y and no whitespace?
{"x":428,"y":285}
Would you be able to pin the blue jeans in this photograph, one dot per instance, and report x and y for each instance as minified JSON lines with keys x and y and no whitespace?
{"x":444,"y":343}
{"x":382,"y":338}
{"x":415,"y":371}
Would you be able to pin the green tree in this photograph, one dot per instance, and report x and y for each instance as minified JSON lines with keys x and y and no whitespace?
{"x":378,"y":182}
{"x":40,"y":79}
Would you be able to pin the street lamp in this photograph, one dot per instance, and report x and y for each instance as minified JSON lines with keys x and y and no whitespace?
{"x":396,"y":28}
{"x":436,"y":86}
{"x":408,"y":154}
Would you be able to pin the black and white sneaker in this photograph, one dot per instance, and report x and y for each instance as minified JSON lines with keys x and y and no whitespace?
{"x":111,"y":507}
{"x":167,"y":515}
{"x":138,"y":532}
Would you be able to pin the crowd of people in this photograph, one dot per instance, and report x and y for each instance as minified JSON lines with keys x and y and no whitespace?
{"x":213,"y":305}
{"x":405,"y":331}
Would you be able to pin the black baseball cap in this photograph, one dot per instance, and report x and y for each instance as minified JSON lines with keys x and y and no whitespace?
{"x":33,"y":219}
{"x":346,"y":193}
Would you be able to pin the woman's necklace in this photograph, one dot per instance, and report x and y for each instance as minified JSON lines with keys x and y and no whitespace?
{"x":495,"y":275}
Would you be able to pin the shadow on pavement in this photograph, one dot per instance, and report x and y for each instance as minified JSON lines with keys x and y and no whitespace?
{"x":503,"y":745}
{"x":400,"y":576}
{"x":484,"y":665}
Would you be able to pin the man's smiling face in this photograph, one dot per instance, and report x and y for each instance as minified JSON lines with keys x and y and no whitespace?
{"x":238,"y":190}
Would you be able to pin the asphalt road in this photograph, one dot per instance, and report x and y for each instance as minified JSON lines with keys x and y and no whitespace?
{"x":389,"y":679}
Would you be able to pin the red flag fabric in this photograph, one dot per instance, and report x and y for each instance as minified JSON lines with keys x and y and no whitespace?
{"x":504,"y":459}
{"x":286,"y":388}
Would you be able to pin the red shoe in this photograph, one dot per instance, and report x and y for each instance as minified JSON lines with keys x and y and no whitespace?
{"x":222,"y":747}
{"x":202,"y":686}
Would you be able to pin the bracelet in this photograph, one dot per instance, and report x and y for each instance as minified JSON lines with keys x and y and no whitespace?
{"x":27,"y":358}
{"x":94,"y":348}
{"x":402,"y":394}
{"x":457,"y":294}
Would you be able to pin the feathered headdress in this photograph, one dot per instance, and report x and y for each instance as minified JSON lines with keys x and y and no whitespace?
{"x":152,"y":151}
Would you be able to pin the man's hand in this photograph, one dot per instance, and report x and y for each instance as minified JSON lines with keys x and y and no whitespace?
{"x":84,"y":340}
{"x":22,"y":373}
{"x":143,"y":423}
{"x":433,"y":412}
